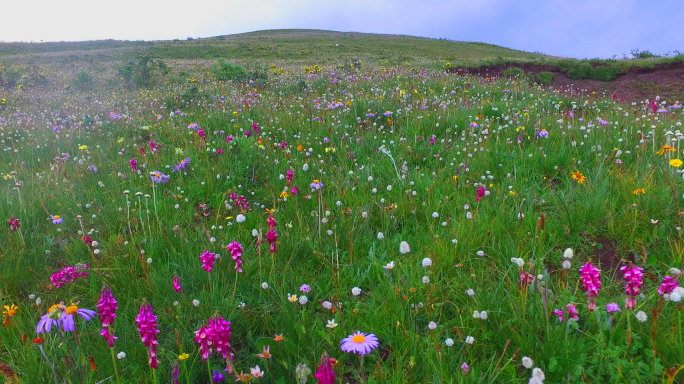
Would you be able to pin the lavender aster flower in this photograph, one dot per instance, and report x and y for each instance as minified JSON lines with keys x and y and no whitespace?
{"x":361,"y":343}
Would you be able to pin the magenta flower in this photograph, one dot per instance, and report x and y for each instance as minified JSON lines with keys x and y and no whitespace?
{"x":289,"y":176}
{"x":480,"y":193}
{"x":668,"y":285}
{"x":176,"y":284}
{"x":325,"y":374}
{"x":202,"y":338}
{"x":68,"y":275}
{"x":633,"y":282}
{"x":271,"y":237}
{"x":572,"y":311}
{"x":248,"y":133}
{"x":294,"y":190}
{"x":235,"y":250}
{"x":134,"y":164}
{"x":271,"y":222}
{"x":107,"y":310}
{"x":216,"y":335}
{"x":465,"y":368}
{"x":612,"y":307}
{"x":208,"y":260}
{"x":361,"y":343}
{"x":591,"y":281}
{"x":229,"y":138}
{"x":13,"y":223}
{"x":147,"y":326}
{"x":526,"y":279}
{"x":153,"y":147}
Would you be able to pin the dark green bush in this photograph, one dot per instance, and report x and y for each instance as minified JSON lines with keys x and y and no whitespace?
{"x":545,"y":78}
{"x":605,"y":73}
{"x":580,"y":71}
{"x":513,"y":72}
{"x":141,"y":70}
{"x":83,"y":80}
{"x":227,"y":71}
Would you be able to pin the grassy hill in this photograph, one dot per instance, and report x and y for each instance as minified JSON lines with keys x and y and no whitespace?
{"x":293,"y":44}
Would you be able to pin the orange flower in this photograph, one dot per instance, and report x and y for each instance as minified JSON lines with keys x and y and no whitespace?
{"x":266,"y":354}
{"x":579,"y":177}
{"x":278,"y":338}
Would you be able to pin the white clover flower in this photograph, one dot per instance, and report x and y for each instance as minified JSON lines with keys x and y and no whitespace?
{"x":641,"y":316}
{"x":470,"y":292}
{"x":435,"y":215}
{"x":149,"y":260}
{"x":568,"y":253}
{"x":449,"y":342}
{"x":426,"y":262}
{"x":527,"y":362}
{"x":389,"y":187}
{"x":483,"y":315}
{"x":480,"y":253}
{"x":264,"y":285}
{"x":469,"y":215}
{"x":470,"y":340}
{"x":404,"y":248}
{"x":240,"y":218}
{"x":255,"y":232}
{"x":538,"y":373}
{"x":426,"y":280}
{"x":121,"y":355}
{"x":356,"y":291}
{"x":380,"y":236}
{"x":432,"y":325}
{"x":476,"y":314}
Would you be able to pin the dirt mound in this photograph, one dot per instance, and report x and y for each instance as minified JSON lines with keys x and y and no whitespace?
{"x":638,"y":83}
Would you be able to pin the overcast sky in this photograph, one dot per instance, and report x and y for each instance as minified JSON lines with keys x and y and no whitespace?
{"x":573,"y":28}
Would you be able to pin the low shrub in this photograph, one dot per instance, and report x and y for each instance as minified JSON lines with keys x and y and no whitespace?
{"x":545,"y":78}
{"x":513,"y":72}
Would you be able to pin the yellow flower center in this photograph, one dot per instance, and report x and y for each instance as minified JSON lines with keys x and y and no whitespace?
{"x":53,"y":308}
{"x":56,"y":217}
{"x":359,"y":339}
{"x":70,"y":310}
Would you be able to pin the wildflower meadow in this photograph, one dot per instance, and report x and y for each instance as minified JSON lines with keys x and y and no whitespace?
{"x":338,"y":223}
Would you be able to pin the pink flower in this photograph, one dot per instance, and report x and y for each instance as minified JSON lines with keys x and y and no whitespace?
{"x":633,"y":282}
{"x":176,"y":284}
{"x":572,"y":311}
{"x":13,"y":223}
{"x":153,"y":148}
{"x":668,"y":285}
{"x":208,"y":260}
{"x":480,"y":193}
{"x":107,"y":310}
{"x":229,"y":138}
{"x":216,"y":335}
{"x":134,"y":164}
{"x":271,"y":222}
{"x":591,"y":281}
{"x":68,"y":275}
{"x":271,"y":237}
{"x":236,"y":252}
{"x":432,"y":140}
{"x":526,"y":279}
{"x":294,"y":190}
{"x":325,"y":374}
{"x":147,"y":326}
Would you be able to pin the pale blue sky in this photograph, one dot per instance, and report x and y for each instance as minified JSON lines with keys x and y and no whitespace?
{"x":574,"y":28}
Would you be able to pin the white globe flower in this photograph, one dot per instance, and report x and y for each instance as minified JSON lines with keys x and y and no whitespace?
{"x":264,"y":285}
{"x":476,"y":314}
{"x":426,"y":280}
{"x":568,"y":253}
{"x":196,"y":303}
{"x":303,"y":300}
{"x":380,"y":236}
{"x":449,"y":342}
{"x":121,"y":355}
{"x":641,"y":316}
{"x":240,"y":218}
{"x":356,"y":291}
{"x":470,"y":340}
{"x":432,"y":325}
{"x":426,"y":262}
{"x":435,"y":215}
{"x":327,"y":305}
{"x":470,"y":292}
{"x":404,"y":248}
{"x":566,"y":264}
{"x":483,"y":315}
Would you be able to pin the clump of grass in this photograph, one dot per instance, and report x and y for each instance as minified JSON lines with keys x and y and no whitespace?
{"x":513,"y":72}
{"x":545,"y":77}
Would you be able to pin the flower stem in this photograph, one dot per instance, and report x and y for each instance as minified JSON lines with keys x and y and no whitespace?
{"x":116,"y":372}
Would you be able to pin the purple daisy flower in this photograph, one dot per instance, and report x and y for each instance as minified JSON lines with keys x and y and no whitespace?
{"x":361,"y":343}
{"x":305,"y":288}
{"x":66,"y":318}
{"x":56,"y":220}
{"x":159,"y":177}
{"x":387,"y":114}
{"x":182,"y":165}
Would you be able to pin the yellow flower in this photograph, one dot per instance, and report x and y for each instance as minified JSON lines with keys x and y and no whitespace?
{"x":665,"y":148}
{"x":638,"y":191}
{"x":283,"y":194}
{"x":676,"y":163}
{"x":183,"y":356}
{"x":579,"y":177}
{"x":82,"y":147}
{"x":511,"y":193}
{"x":292,"y":298}
{"x":10,"y":310}
{"x":120,"y":140}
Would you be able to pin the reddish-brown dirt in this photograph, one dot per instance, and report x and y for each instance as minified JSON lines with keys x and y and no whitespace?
{"x":639,"y":83}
